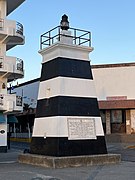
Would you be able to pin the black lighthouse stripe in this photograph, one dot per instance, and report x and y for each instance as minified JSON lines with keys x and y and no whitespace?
{"x":67,"y":106}
{"x":67,"y":68}
{"x":61,"y":146}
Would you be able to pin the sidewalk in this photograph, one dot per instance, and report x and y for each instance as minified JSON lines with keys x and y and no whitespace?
{"x":9,"y":157}
{"x":10,"y":169}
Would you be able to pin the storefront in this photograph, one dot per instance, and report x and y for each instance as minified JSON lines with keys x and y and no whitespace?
{"x":117,"y":121}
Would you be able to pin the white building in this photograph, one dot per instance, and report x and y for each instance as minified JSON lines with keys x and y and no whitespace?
{"x":11,"y":34}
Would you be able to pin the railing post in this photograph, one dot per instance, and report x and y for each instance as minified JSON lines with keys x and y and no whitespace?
{"x":79,"y":40}
{"x":59,"y":34}
{"x":75,"y":35}
{"x":41,"y":42}
{"x":89,"y":39}
{"x":49,"y":38}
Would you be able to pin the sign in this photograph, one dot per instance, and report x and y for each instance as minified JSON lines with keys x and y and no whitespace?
{"x":2,"y":131}
{"x":80,"y":128}
{"x":113,"y":98}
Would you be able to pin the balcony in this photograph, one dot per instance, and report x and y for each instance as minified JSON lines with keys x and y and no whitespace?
{"x":11,"y":68}
{"x":12,"y":5}
{"x":11,"y":33}
{"x":10,"y":103}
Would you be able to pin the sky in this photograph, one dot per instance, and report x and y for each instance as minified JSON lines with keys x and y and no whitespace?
{"x":111,"y":22}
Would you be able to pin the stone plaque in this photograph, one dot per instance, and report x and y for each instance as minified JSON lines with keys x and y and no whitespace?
{"x":80,"y":128}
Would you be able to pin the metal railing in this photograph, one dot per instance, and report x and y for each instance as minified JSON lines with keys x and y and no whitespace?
{"x":1,"y":23}
{"x":19,"y":28}
{"x":16,"y":100}
{"x":1,"y":100}
{"x":19,"y":101}
{"x":54,"y":35}
{"x":19,"y":64}
{"x":1,"y":62}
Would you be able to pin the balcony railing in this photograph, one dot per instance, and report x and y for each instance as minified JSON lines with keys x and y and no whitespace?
{"x":19,"y":64}
{"x":11,"y":102}
{"x":54,"y":35}
{"x":1,"y":100}
{"x":19,"y":101}
{"x":1,"y":23}
{"x":9,"y":29}
{"x":1,"y":62}
{"x":19,"y":28}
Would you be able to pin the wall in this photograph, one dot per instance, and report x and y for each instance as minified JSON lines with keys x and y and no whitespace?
{"x":29,"y":93}
{"x":115,"y":81}
{"x":112,"y":81}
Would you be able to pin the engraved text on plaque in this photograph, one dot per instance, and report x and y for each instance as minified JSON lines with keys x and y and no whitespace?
{"x":80,"y":128}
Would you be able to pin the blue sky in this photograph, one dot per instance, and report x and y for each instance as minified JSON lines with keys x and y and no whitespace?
{"x":111,"y":22}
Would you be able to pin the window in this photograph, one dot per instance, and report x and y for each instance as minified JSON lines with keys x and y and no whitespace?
{"x":102,"y":114}
{"x":116,"y":116}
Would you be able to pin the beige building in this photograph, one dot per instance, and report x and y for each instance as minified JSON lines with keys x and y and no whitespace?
{"x":115,"y":86}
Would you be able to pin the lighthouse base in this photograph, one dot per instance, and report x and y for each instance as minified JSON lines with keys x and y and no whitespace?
{"x":3,"y":149}
{"x":70,"y":161}
{"x":61,"y":146}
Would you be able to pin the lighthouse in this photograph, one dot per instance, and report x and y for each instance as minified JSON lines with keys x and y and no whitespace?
{"x":67,"y":121}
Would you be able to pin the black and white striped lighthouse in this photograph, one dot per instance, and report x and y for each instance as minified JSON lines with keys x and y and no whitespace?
{"x":68,"y":121}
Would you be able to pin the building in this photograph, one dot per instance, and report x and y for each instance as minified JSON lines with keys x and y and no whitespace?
{"x":116,"y":96}
{"x":29,"y":91}
{"x":11,"y":34}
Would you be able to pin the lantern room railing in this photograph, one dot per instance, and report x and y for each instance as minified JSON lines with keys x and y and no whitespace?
{"x":80,"y":37}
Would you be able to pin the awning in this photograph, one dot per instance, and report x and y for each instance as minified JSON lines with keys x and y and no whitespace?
{"x":117,"y":104}
{"x":2,"y":118}
{"x":11,"y":119}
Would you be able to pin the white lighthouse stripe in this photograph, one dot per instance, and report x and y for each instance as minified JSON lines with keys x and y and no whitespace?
{"x":57,"y":126}
{"x":64,"y":86}
{"x":65,"y":50}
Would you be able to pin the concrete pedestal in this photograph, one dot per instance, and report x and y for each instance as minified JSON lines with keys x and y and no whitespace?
{"x":71,"y":161}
